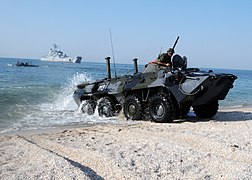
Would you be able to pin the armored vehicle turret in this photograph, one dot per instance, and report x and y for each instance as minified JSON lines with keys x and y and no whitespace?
{"x":161,"y":94}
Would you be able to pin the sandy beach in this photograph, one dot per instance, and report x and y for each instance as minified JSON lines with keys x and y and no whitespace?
{"x":220,"y":148}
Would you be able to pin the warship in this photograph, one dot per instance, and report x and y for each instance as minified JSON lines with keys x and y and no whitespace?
{"x":56,"y":55}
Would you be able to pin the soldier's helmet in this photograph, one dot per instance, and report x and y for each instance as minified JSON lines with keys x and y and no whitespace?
{"x":171,"y":51}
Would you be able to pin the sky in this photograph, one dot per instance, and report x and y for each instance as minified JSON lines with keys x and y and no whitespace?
{"x":213,"y":34}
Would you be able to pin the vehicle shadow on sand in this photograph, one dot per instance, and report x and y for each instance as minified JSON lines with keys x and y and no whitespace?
{"x":221,"y":117}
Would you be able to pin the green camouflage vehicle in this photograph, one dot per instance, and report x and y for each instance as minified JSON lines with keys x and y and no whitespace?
{"x":159,"y":94}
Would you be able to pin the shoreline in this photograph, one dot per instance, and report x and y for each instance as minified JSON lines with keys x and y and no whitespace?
{"x":229,"y":113}
{"x":219,"y":148}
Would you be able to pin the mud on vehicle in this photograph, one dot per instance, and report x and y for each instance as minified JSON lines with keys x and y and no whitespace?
{"x":159,"y":94}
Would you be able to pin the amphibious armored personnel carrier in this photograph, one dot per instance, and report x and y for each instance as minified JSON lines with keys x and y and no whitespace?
{"x":159,"y":94}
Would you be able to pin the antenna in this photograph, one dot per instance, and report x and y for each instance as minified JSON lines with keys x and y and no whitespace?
{"x":160,"y":51}
{"x":112,"y":50}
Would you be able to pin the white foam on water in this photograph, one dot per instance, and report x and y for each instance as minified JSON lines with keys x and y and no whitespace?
{"x":60,"y":111}
{"x":63,"y":100}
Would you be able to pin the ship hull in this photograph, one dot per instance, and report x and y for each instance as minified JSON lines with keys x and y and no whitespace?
{"x":58,"y":59}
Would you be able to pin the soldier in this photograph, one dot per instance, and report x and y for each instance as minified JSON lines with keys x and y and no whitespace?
{"x":163,"y":61}
{"x":165,"y":58}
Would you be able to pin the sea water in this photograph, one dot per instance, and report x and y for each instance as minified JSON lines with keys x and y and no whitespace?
{"x":41,"y":97}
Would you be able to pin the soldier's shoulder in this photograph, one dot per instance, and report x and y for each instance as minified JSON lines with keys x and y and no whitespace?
{"x":161,"y":56}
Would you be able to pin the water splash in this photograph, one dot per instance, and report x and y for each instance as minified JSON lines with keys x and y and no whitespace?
{"x":56,"y":109}
{"x":63,"y":100}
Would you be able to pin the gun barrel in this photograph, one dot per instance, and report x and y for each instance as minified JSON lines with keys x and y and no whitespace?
{"x":175,"y":42}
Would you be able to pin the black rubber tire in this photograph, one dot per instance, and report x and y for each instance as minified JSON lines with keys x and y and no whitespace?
{"x":161,"y":108}
{"x":106,"y":107}
{"x":133,"y":108}
{"x":88,"y":107}
{"x":206,"y":111}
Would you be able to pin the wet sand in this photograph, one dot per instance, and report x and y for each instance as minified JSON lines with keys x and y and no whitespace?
{"x":220,"y":148}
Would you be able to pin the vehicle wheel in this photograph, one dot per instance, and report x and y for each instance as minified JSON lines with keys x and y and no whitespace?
{"x":161,"y":108}
{"x":207,"y":110}
{"x":88,"y":107}
{"x":106,"y":107}
{"x":132,"y":108}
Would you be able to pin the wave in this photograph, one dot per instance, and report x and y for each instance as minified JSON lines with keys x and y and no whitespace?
{"x":55,"y":109}
{"x":63,"y":100}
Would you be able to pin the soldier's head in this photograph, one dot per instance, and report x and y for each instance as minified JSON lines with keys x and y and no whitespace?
{"x":170,"y":51}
